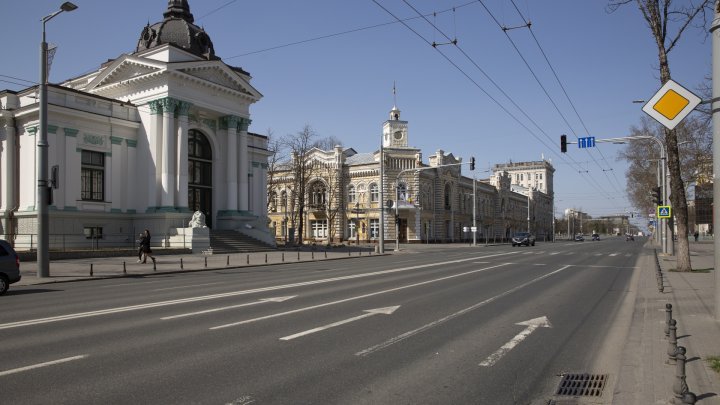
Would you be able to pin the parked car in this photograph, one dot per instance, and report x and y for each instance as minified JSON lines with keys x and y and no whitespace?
{"x":629,"y":237}
{"x":9,"y":266}
{"x":579,"y":238}
{"x":595,"y":236}
{"x":523,"y":238}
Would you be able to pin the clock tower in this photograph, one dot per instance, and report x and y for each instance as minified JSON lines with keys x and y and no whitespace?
{"x":395,"y":131}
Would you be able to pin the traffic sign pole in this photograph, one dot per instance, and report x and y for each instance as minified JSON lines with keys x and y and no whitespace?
{"x":716,"y":147}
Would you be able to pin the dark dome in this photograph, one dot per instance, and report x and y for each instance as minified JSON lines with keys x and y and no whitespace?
{"x":177,"y":28}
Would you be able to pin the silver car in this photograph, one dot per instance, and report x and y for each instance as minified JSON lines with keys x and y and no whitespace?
{"x":523,"y":238}
{"x":9,"y":266}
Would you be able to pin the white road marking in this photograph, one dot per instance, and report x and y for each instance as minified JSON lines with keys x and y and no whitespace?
{"x":554,"y":253}
{"x":48,"y":363}
{"x":229,"y":294}
{"x":352,"y":298}
{"x":187,"y":286}
{"x":368,"y":313}
{"x":440,"y":321}
{"x":614,"y":254}
{"x":531,"y":324}
{"x":247,"y":304}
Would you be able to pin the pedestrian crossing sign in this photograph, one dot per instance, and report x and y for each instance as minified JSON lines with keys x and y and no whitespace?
{"x":663,"y":211}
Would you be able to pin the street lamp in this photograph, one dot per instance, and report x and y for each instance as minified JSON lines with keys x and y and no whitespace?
{"x":43,"y":263}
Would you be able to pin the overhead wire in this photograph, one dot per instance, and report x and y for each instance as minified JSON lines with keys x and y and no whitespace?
{"x":592,"y":180}
{"x":567,"y":96}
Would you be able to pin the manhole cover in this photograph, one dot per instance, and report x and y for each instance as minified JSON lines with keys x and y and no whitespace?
{"x":582,"y":385}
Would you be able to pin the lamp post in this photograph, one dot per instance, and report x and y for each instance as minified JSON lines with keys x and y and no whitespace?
{"x":357,"y":223}
{"x":43,"y":263}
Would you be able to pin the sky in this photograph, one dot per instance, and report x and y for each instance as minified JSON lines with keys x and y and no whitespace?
{"x":333,"y":64}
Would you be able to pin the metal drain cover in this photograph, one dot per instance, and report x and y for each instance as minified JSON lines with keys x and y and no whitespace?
{"x":582,"y":385}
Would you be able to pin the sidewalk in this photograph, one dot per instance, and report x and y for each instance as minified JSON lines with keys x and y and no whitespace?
{"x":645,"y":377}
{"x":112,"y":267}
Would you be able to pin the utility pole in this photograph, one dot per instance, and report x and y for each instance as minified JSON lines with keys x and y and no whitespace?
{"x":474,"y":212}
{"x":716,"y":148}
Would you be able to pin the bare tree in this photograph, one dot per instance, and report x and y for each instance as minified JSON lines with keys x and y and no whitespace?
{"x":667,"y":22}
{"x":301,"y":166}
{"x":275,"y":146}
{"x":327,"y":143}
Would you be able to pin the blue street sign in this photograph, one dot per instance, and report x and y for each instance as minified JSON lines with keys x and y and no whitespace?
{"x":664,"y":211}
{"x":587,"y":142}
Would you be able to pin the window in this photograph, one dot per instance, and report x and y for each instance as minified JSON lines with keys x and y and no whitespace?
{"x":540,"y":176}
{"x":521,"y":177}
{"x":92,"y":182}
{"x":374,"y":193}
{"x":447,"y":197}
{"x":374,"y":228}
{"x":402,"y":192}
{"x":351,"y":230}
{"x":93,"y":232}
{"x":273,"y":202}
{"x":283,"y":200}
{"x":317,"y":197}
{"x":352,"y":196}
{"x":319,"y":229}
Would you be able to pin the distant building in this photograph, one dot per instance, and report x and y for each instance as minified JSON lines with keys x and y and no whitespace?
{"x":434,"y":200}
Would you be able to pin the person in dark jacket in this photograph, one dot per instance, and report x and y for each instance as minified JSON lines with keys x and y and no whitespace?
{"x":145,"y":244}
{"x":140,"y":246}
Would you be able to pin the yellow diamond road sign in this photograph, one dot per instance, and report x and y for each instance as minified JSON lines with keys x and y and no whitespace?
{"x":671,"y":104}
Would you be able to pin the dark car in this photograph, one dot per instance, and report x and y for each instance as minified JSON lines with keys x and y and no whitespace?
{"x":579,"y":238}
{"x":595,"y":236}
{"x":523,"y":238}
{"x":9,"y":266}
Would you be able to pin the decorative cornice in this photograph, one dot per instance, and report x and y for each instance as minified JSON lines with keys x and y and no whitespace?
{"x":131,"y":143}
{"x":31,"y":130}
{"x":116,"y":140}
{"x":244,"y":124}
{"x":71,"y":132}
{"x":183,"y":108}
{"x":52,"y":129}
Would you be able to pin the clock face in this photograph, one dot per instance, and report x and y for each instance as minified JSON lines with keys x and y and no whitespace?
{"x":398,"y":135}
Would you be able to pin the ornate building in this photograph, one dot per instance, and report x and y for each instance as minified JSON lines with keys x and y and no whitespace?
{"x":433,"y":200}
{"x":142,"y":142}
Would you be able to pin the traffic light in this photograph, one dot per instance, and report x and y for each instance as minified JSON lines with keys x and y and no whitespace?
{"x":472,"y":163}
{"x":563,"y":143}
{"x":657,"y":193}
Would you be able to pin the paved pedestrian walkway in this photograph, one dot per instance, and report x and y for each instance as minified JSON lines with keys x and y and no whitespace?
{"x":645,"y":376}
{"x":111,"y":267}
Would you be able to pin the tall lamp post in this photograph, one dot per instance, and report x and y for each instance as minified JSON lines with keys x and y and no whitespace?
{"x":43,"y":263}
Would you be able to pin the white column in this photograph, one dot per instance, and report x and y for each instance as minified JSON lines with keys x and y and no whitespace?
{"x":132,"y":202}
{"x":168,"y":154}
{"x":8,"y":159}
{"x":232,"y":162}
{"x":181,"y":199}
{"x":153,"y":153}
{"x":70,"y":170}
{"x":244,"y":161}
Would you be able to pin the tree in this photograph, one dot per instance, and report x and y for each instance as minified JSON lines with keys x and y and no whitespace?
{"x":301,"y":167}
{"x":667,"y":22}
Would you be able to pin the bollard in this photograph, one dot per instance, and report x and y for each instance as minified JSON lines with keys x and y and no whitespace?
{"x":672,"y":342}
{"x":181,"y":264}
{"x":668,"y":317}
{"x":265,"y":257}
{"x":205,"y":261}
{"x":326,"y":254}
{"x":154,"y":266}
{"x":349,"y":252}
{"x":680,"y":387}
{"x":247,"y":260}
{"x":91,"y":269}
{"x":283,"y":257}
{"x":124,"y":270}
{"x":312,"y":255}
{"x":298,"y":254}
{"x":228,"y":261}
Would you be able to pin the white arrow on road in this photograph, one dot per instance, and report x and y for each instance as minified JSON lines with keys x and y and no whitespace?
{"x":247,"y":304}
{"x":368,"y":313}
{"x":531,"y":324}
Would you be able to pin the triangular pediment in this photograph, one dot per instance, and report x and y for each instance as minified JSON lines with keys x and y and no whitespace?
{"x":218,"y":74}
{"x":123,"y":70}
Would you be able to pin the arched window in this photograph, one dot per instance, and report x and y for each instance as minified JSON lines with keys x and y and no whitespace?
{"x":402,"y":192}
{"x":352,"y":196}
{"x":283,"y":201}
{"x":374,"y":193}
{"x":273,"y":202}
{"x":318,"y":195}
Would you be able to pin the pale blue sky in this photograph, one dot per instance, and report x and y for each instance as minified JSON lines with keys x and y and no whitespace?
{"x":342,"y":85}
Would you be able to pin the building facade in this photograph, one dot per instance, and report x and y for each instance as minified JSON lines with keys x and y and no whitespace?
{"x":429,"y":201}
{"x":141,"y":142}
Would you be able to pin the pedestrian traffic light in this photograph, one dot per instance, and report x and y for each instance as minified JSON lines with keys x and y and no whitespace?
{"x":657,"y":193}
{"x":472,"y":163}
{"x":563,"y":143}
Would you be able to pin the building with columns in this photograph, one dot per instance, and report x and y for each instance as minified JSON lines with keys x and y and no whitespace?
{"x":143,"y":141}
{"x":433,"y":199}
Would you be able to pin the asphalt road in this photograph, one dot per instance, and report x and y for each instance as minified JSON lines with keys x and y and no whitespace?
{"x":431,"y":325}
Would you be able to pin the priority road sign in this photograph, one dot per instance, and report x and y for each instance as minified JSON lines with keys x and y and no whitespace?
{"x":671,"y":104}
{"x":664,"y":211}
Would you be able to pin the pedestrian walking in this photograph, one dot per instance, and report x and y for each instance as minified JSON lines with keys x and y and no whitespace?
{"x":145,"y":243}
{"x":140,"y":246}
{"x":696,"y":235}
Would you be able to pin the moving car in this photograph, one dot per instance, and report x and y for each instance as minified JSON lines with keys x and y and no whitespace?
{"x":523,"y":238}
{"x":9,"y":266}
{"x":579,"y":238}
{"x":595,"y":236}
{"x":629,"y":237}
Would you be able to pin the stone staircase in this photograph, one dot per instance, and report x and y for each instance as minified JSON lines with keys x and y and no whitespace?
{"x":235,"y":242}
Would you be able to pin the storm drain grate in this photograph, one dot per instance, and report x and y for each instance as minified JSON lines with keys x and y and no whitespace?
{"x":582,"y":385}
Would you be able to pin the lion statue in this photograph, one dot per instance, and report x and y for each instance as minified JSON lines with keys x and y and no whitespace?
{"x":198,"y":220}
